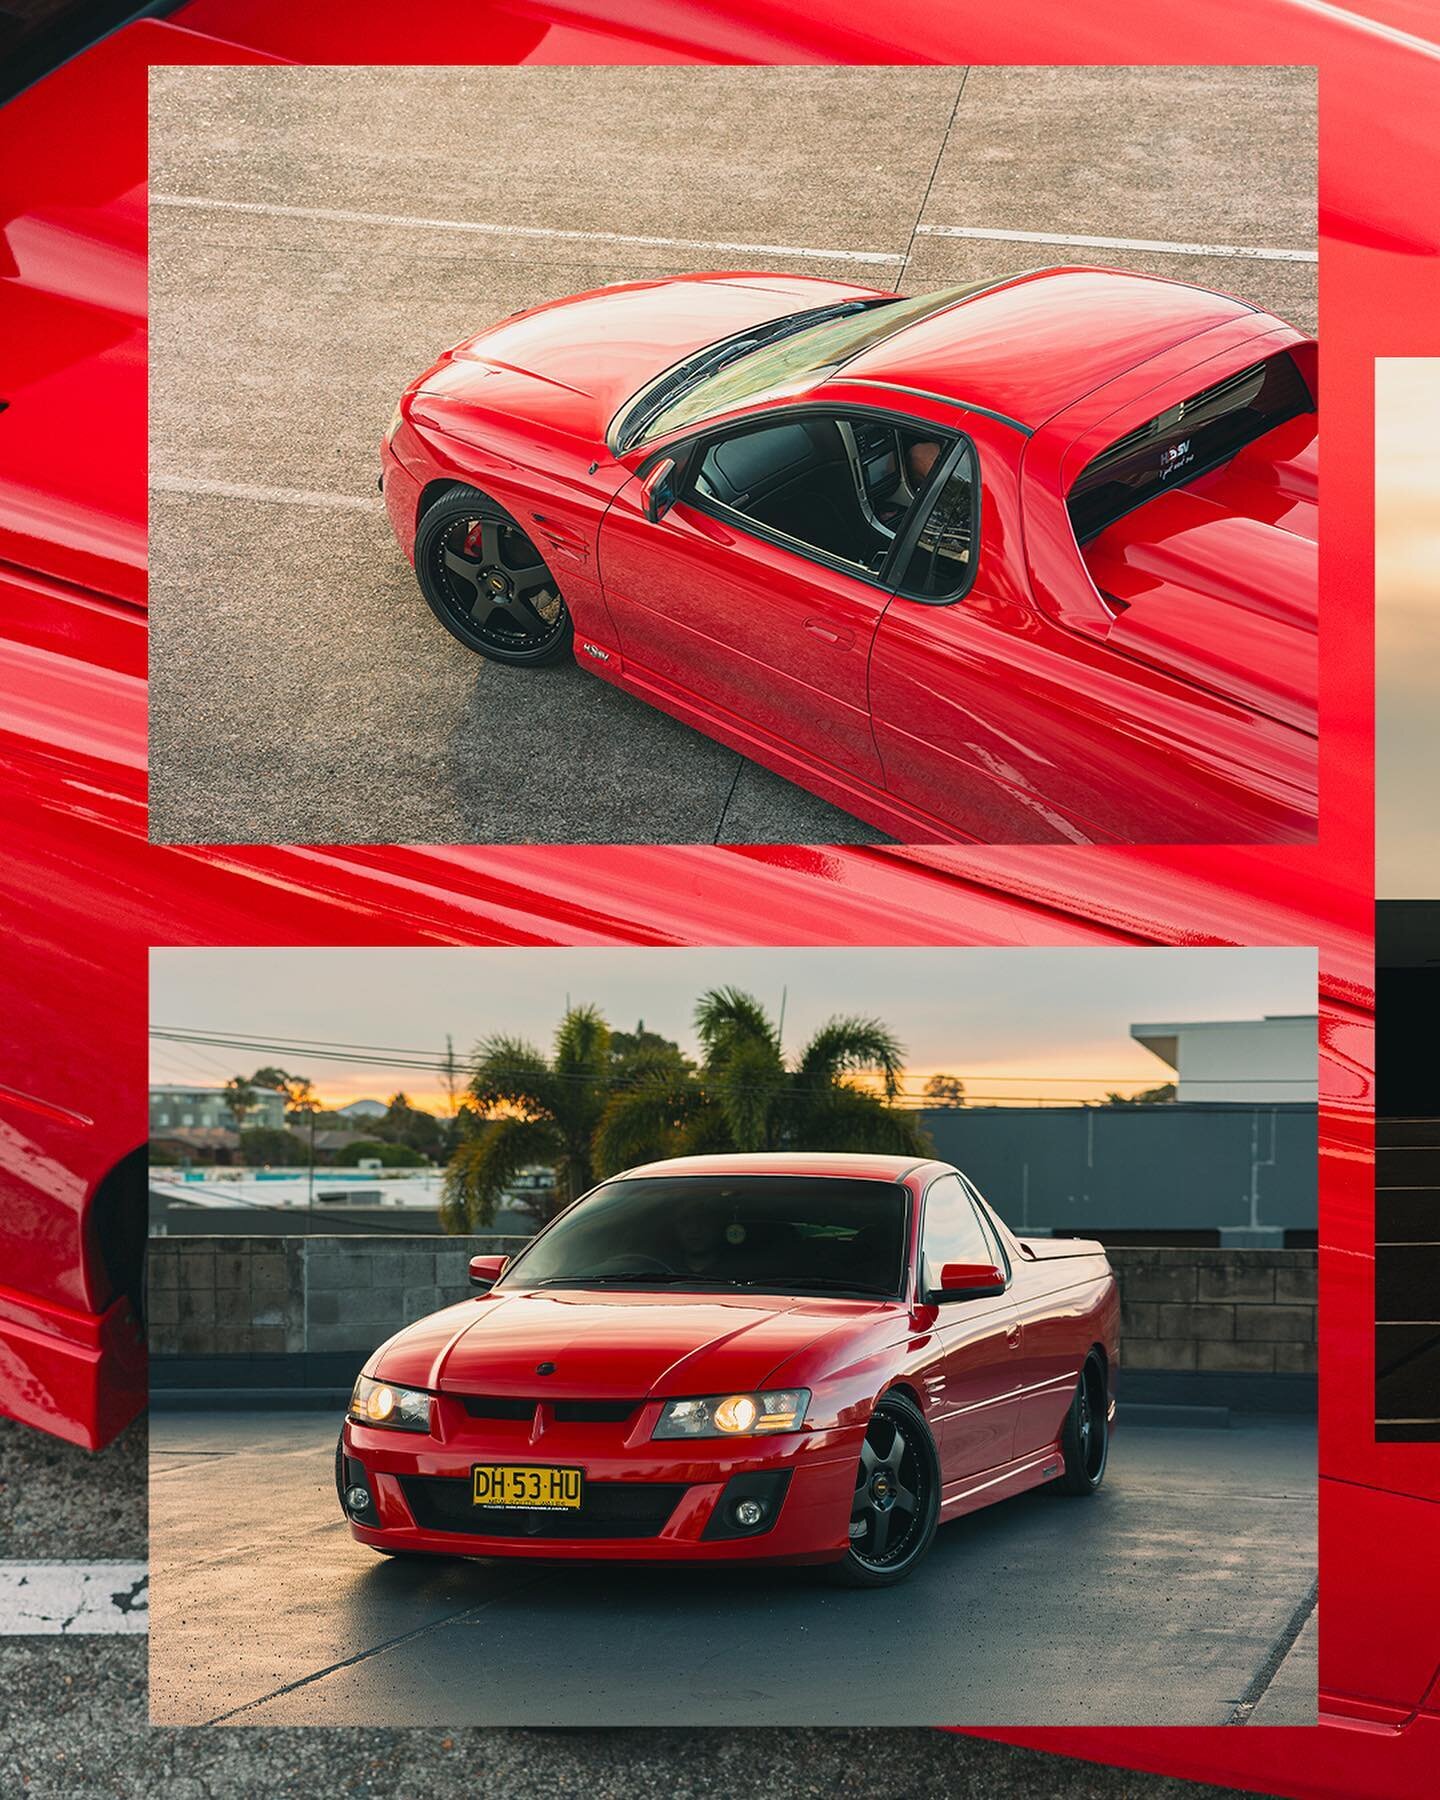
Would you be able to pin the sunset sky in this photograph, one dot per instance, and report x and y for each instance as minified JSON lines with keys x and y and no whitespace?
{"x":1407,"y":626}
{"x":1014,"y":1024}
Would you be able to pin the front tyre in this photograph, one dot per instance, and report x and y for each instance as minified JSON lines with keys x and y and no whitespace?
{"x":487,"y":583}
{"x":1085,"y":1436}
{"x":896,"y":1505}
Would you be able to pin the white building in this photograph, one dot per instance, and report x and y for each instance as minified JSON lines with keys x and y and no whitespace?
{"x":205,"y":1109}
{"x":1248,"y":1060}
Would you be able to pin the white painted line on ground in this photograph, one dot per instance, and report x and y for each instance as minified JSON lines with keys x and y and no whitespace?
{"x":1250,"y":251}
{"x":239,"y":490}
{"x":338,"y":216}
{"x":73,"y":1599}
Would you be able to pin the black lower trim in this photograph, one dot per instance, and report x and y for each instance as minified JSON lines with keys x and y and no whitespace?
{"x":768,"y":1486}
{"x":611,"y":1509}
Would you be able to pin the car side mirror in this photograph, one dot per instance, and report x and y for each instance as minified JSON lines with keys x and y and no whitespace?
{"x":657,"y":489}
{"x":485,"y":1271}
{"x":968,"y":1281}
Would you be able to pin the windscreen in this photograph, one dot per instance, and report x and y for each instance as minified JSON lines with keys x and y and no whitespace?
{"x":1187,"y":439}
{"x":782,"y":1234}
{"x":798,"y":356}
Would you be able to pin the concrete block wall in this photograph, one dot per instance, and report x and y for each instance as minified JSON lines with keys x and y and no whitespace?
{"x":301,"y":1296}
{"x":1207,"y":1327}
{"x":1222,"y":1312}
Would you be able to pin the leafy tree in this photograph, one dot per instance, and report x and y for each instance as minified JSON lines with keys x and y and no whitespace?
{"x":239,"y":1100}
{"x":1156,"y":1096}
{"x":268,"y":1144}
{"x":945,"y":1090}
{"x":540,"y":1109}
{"x":172,"y":1151}
{"x":407,"y":1124}
{"x":390,"y":1156}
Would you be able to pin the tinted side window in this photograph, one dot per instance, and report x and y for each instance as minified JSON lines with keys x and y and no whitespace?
{"x":939,"y":565}
{"x":952,"y":1231}
{"x":1185,"y":440}
{"x":797,"y":478}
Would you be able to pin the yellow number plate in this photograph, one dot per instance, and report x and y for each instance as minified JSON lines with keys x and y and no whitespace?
{"x":517,"y":1484}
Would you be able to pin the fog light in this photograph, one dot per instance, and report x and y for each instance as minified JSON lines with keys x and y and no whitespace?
{"x":357,"y":1498}
{"x":748,"y":1513}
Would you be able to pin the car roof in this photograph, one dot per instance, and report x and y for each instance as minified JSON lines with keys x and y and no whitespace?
{"x":851,"y":1165}
{"x":1030,"y":345}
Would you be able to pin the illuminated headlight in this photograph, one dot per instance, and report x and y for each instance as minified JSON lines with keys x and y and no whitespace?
{"x":381,"y":1403}
{"x":734,"y":1415}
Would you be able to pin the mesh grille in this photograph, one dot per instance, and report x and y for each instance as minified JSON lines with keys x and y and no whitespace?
{"x":565,"y":1412}
{"x":613,"y":1509}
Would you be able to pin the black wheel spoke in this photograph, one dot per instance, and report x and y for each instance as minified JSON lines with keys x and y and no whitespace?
{"x":486,"y":606}
{"x":463,"y":569}
{"x":495,"y":585}
{"x":893,"y":1496}
{"x":527,"y":618}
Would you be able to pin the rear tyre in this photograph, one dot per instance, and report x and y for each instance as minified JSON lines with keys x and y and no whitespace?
{"x":1085,"y":1436}
{"x":487,"y":583}
{"x":897,"y":1498}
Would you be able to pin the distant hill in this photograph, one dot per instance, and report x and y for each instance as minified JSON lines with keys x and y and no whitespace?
{"x":363,"y":1109}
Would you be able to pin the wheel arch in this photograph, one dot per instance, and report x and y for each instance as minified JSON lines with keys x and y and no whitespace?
{"x":437,"y":488}
{"x":116,"y":1229}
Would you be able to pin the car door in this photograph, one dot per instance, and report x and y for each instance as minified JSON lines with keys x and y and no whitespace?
{"x":1001,"y":720}
{"x":981,"y":1341}
{"x":766,"y":621}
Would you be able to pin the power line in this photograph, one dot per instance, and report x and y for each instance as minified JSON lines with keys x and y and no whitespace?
{"x":432,"y":1062}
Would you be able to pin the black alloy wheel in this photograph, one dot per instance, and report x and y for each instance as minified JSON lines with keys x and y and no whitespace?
{"x":487,"y":583}
{"x":897,"y":1497}
{"x":1085,"y":1438}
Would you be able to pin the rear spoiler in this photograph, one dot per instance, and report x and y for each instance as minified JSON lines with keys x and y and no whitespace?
{"x":1048,"y":1249}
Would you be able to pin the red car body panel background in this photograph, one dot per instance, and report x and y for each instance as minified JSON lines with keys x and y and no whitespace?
{"x":91,"y":894}
{"x":1029,"y":711}
{"x":993,"y":1376}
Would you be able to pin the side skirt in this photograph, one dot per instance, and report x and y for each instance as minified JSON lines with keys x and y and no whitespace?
{"x":975,"y":1491}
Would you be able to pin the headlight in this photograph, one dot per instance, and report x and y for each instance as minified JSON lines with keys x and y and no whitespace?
{"x":382,"y":1403}
{"x":393,"y":426}
{"x":733,"y":1415}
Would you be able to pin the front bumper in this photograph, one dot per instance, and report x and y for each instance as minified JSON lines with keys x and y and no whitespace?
{"x":666,"y":1501}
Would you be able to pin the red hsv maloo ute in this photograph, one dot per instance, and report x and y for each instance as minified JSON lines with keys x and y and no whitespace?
{"x":1030,"y":560}
{"x":798,"y":1358}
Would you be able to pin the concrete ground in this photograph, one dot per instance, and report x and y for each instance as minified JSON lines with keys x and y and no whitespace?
{"x":1172,"y":1598}
{"x":73,"y":1715}
{"x":301,"y":690}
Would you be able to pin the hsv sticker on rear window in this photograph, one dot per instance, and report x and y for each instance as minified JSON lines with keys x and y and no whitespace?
{"x":1194,"y":435}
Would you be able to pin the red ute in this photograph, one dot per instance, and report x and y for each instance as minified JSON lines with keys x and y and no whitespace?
{"x":800,"y":1358}
{"x":1030,"y":560}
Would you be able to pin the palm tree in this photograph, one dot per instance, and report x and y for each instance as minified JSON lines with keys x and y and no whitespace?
{"x":747,"y":1098}
{"x":539,"y":1111}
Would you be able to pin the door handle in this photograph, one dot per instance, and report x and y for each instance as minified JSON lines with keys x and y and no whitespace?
{"x":839,"y":635}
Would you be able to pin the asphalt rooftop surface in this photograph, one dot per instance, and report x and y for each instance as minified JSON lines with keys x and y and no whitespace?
{"x":1171,"y":1598}
{"x":73,"y":1714}
{"x":301,"y":691}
